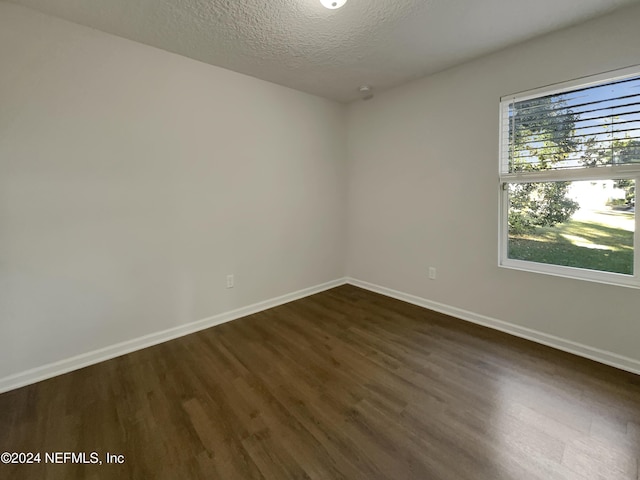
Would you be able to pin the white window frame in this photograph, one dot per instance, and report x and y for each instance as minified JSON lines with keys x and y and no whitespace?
{"x":612,"y":172}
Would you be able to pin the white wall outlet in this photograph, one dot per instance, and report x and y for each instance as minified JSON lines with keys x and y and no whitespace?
{"x":432,"y":273}
{"x":229,"y":281}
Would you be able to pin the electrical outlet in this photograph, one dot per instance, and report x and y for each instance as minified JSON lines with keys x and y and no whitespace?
{"x":432,"y":273}
{"x":229,"y":281}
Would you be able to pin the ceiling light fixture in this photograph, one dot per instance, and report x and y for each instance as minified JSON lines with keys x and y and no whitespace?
{"x":333,"y":4}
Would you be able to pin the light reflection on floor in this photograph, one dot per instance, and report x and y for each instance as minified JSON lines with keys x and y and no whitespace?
{"x":557,"y":434}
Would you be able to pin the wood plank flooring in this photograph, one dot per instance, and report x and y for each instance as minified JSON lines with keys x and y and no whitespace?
{"x":345,"y":384}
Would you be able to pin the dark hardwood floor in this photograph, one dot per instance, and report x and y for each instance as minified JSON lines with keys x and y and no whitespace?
{"x":345,"y":384}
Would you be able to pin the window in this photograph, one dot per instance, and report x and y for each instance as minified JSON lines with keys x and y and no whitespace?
{"x":569,"y":167}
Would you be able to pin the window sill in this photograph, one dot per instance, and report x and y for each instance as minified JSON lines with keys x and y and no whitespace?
{"x":607,"y":278}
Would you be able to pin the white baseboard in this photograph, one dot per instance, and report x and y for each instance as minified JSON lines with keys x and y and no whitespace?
{"x":592,"y":353}
{"x":83,"y":360}
{"x":74,"y":363}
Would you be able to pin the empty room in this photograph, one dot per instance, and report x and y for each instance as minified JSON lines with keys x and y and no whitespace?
{"x":319,"y":239}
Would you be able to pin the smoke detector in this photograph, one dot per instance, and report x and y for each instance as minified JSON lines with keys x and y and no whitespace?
{"x":366,"y":91}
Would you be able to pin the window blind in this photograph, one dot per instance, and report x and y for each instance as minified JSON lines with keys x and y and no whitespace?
{"x":594,"y":126}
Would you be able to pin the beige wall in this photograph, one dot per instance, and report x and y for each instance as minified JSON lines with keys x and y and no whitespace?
{"x":132,"y":181}
{"x":423,"y":189}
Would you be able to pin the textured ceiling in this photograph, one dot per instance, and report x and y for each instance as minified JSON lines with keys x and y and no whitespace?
{"x":300,"y":44}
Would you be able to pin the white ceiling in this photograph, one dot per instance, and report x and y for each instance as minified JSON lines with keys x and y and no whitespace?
{"x":300,"y":44}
